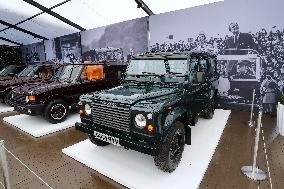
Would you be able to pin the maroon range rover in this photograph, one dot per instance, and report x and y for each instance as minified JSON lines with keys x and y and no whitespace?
{"x":54,"y":100}
{"x":32,"y":73}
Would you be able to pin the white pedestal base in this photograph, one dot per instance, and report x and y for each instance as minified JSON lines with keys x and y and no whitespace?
{"x":4,"y":108}
{"x":280,"y":119}
{"x":37,"y":126}
{"x":257,"y":176}
{"x":136,"y":170}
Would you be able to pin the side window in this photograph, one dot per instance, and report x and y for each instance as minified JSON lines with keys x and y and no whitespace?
{"x":192,"y":74}
{"x":203,"y":64}
{"x":212,"y":64}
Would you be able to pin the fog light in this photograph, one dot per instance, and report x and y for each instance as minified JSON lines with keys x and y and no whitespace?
{"x":150,"y":128}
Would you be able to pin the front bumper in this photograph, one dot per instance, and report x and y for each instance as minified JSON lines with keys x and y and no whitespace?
{"x":33,"y":110}
{"x":125,"y":139}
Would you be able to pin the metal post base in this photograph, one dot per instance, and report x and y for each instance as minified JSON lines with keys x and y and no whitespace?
{"x":251,"y":123}
{"x":258,"y":175}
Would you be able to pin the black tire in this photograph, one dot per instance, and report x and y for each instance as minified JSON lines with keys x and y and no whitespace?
{"x":7,"y":98}
{"x":171,"y":148}
{"x":209,"y":112}
{"x":56,"y":111}
{"x":96,"y":141}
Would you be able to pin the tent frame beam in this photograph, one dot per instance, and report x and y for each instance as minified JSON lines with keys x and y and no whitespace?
{"x":54,"y":14}
{"x":144,"y":6}
{"x":22,"y":30}
{"x":5,"y":39}
{"x":59,"y":4}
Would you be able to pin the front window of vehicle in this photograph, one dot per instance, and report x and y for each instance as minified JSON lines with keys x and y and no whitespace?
{"x":178,"y":67}
{"x":71,"y":73}
{"x":28,"y":71}
{"x":141,"y":67}
{"x":5,"y":71}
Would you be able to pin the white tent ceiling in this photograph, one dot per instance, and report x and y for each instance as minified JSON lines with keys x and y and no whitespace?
{"x":87,"y":14}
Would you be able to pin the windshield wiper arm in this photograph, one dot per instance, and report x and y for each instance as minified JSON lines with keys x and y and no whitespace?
{"x":150,"y":73}
{"x":175,"y":73}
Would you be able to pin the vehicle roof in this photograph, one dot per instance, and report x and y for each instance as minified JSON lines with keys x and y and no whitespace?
{"x":174,"y":55}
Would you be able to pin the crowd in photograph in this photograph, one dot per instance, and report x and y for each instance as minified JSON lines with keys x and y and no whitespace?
{"x":269,"y":44}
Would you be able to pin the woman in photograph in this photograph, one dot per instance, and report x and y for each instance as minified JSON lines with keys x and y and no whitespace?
{"x":202,"y":44}
{"x":269,"y":90}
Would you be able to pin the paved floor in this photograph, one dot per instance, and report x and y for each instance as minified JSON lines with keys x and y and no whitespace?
{"x":44,"y":157}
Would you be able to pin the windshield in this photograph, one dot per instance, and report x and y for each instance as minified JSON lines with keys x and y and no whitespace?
{"x":28,"y":71}
{"x":71,"y":72}
{"x":8,"y":69}
{"x":178,"y":66}
{"x":139,"y":67}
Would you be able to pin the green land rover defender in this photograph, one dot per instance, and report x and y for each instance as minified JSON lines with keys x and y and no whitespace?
{"x":151,"y":112}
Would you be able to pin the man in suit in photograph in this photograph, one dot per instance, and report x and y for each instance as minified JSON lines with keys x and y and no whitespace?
{"x":239,"y":40}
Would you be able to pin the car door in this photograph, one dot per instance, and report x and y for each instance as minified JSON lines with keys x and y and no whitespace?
{"x":199,"y":85}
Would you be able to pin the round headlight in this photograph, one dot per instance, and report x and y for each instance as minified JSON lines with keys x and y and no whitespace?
{"x":87,"y":109}
{"x":140,"y":121}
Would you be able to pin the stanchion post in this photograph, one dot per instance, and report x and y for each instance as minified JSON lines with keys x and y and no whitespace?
{"x":253,"y":172}
{"x":251,"y":122}
{"x":3,"y":162}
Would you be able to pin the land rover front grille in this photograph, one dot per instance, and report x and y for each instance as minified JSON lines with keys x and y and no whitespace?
{"x":112,"y":115}
{"x":18,"y":98}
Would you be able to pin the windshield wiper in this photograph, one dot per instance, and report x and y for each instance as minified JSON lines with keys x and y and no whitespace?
{"x":151,"y":73}
{"x":175,"y":73}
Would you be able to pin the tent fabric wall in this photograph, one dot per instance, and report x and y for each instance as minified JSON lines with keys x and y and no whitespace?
{"x":207,"y":28}
{"x":10,"y":55}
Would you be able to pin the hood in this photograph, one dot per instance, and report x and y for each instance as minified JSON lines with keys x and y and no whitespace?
{"x":128,"y":94}
{"x":39,"y":87}
{"x":15,"y":81}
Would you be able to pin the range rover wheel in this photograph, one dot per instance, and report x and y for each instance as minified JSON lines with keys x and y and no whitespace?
{"x":7,"y":98}
{"x":171,"y":148}
{"x":96,"y":141}
{"x":56,"y":111}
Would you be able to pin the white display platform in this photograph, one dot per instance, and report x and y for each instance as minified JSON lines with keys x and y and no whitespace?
{"x":4,"y":108}
{"x":136,"y":170}
{"x":37,"y":126}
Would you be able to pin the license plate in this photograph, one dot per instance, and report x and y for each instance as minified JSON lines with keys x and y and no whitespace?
{"x":106,"y":138}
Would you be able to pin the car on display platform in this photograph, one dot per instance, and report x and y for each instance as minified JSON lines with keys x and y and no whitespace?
{"x":151,"y":112}
{"x":54,"y":100}
{"x":10,"y":71}
{"x":32,"y":73}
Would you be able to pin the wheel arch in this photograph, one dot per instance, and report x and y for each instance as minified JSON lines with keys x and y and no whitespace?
{"x":179,"y":114}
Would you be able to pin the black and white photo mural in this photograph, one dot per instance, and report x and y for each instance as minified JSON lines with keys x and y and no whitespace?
{"x":116,"y":42}
{"x":246,"y":35}
{"x":64,"y":49}
{"x":33,"y":53}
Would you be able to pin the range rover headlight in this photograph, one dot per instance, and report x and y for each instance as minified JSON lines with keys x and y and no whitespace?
{"x":87,"y":109}
{"x":140,"y":121}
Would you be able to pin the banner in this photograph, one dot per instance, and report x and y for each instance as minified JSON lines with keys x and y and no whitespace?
{"x":246,"y":35}
{"x":64,"y":49}
{"x":117,"y":42}
{"x":33,"y":53}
